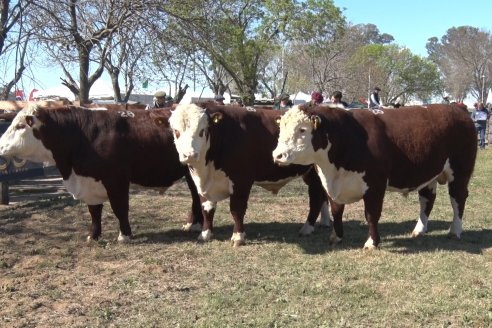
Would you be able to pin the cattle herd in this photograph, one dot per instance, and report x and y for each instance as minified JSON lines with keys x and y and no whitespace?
{"x":221,"y":151}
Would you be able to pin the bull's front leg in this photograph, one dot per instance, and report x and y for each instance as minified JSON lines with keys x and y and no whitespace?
{"x":208,"y":211}
{"x":317,"y":198}
{"x":96,"y":213}
{"x":238,"y":205}
{"x":195,"y":217}
{"x":336,"y":235}
{"x":119,"y":201}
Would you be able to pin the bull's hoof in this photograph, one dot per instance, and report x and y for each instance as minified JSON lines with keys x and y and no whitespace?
{"x":91,"y":239}
{"x":334,"y":239}
{"x":123,"y":239}
{"x":453,"y":235}
{"x":306,"y":230}
{"x":238,"y":239}
{"x":417,"y":234}
{"x":370,"y":245}
{"x":189,"y":227}
{"x":205,"y":236}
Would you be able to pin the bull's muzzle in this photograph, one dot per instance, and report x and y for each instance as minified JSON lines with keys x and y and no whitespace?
{"x":282,"y":157}
{"x":189,"y":156}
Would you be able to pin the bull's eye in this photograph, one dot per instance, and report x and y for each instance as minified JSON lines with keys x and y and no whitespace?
{"x":20,"y":126}
{"x":302,"y":130}
{"x":177,"y":134}
{"x":202,"y":131}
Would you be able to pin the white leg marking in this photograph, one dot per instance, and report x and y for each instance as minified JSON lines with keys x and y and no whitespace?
{"x":421,"y":226}
{"x":187,"y":226}
{"x":90,"y":240}
{"x":238,"y":239}
{"x":208,"y":206}
{"x":457,"y":225}
{"x":369,"y":244}
{"x":334,"y":239}
{"x":325,"y":218}
{"x":206,"y":235}
{"x":306,"y":229}
{"x":123,"y":239}
{"x":190,"y":227}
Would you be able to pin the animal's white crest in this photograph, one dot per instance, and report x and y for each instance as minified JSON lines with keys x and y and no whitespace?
{"x":294,"y":138}
{"x":19,"y":139}
{"x":189,"y":124}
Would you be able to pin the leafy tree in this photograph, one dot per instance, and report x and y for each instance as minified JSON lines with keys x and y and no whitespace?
{"x":71,"y":29}
{"x":398,"y":72}
{"x":463,"y":56}
{"x":15,"y":37}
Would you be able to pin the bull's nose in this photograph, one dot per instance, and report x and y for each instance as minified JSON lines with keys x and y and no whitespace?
{"x":190,"y":155}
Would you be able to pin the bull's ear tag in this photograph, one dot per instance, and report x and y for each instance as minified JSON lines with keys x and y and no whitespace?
{"x":277,"y":120}
{"x":316,"y":121}
{"x":30,"y":120}
{"x":216,"y":117}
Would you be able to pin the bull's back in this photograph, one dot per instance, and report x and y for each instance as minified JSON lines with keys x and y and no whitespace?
{"x":250,"y":138}
{"x":421,"y":139}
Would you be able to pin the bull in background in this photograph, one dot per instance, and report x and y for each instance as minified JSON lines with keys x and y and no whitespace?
{"x":99,"y":153}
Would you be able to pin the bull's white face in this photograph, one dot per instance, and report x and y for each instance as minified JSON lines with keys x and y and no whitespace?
{"x":19,"y":140}
{"x":294,"y":142}
{"x":190,"y":124}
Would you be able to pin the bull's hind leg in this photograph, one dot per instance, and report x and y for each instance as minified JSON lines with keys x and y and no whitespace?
{"x":427,"y":196}
{"x":96,"y":213}
{"x":373,"y":204}
{"x":208,"y":210}
{"x":337,"y":213}
{"x":458,"y":193}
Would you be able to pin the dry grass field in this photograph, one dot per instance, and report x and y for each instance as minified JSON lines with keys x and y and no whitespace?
{"x":50,"y":276}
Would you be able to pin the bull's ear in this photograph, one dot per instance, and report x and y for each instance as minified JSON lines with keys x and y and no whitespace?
{"x":30,"y":120}
{"x":216,"y":117}
{"x":316,"y":121}
{"x":277,"y":120}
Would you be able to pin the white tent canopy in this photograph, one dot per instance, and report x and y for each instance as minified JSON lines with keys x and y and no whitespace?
{"x":300,"y":98}
{"x":100,"y":89}
{"x":194,"y":96}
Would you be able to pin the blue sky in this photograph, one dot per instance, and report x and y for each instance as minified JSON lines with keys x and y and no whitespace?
{"x":411,"y":23}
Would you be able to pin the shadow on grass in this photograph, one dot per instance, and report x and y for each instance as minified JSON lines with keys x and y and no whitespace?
{"x":395,"y":237}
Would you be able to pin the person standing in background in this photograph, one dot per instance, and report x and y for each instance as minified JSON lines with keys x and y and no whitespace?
{"x":480,"y":116}
{"x":375,"y":100}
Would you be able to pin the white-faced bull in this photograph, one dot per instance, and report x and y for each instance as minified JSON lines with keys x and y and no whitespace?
{"x":228,"y":149}
{"x":360,"y":154}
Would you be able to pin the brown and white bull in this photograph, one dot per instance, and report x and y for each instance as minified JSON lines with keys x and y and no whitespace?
{"x":99,"y":153}
{"x":228,"y":149}
{"x":360,"y":154}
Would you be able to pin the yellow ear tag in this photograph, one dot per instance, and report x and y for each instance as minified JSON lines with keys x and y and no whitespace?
{"x":316,"y":121}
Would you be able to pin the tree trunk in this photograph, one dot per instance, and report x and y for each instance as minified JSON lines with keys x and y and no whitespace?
{"x":84,"y":86}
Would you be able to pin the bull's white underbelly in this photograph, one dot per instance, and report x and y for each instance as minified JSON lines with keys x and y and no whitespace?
{"x":212,"y":184}
{"x":343,"y":186}
{"x":86,"y":189}
{"x":274,"y":186}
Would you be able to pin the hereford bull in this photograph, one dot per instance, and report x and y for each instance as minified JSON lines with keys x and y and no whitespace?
{"x":359,"y":154}
{"x":99,"y":153}
{"x":228,"y":149}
